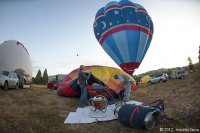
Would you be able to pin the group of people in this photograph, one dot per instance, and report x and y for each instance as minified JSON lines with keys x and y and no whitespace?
{"x":125,"y":81}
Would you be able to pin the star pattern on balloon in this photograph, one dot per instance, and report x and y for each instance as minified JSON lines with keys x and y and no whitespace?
{"x":116,"y":12}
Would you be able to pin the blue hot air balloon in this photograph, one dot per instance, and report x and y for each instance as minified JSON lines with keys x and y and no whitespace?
{"x":124,"y":29}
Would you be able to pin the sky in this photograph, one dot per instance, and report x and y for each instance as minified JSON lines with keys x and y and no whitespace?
{"x":59,"y":33}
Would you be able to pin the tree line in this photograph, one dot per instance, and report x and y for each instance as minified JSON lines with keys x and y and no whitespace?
{"x":41,"y":79}
{"x":190,"y":65}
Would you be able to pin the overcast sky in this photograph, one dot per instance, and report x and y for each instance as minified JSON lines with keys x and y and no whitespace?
{"x":55,"y":31}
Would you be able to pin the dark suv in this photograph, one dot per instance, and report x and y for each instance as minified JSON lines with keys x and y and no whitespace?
{"x":8,"y":79}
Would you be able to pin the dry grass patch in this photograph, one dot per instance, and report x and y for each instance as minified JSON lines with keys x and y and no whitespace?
{"x":40,"y":110}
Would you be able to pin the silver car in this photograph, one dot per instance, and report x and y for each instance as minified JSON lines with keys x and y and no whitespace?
{"x":160,"y":78}
{"x":8,"y":79}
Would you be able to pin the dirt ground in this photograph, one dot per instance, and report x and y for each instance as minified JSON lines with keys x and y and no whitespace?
{"x":40,"y":110}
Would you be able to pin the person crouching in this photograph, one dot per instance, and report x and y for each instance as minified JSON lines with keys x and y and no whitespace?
{"x":127,"y":82}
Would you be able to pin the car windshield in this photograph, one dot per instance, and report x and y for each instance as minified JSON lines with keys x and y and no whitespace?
{"x":5,"y":73}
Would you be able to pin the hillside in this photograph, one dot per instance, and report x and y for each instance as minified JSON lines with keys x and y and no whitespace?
{"x":164,"y":70}
{"x":40,"y":110}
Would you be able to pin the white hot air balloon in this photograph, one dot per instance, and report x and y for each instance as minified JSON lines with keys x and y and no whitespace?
{"x":15,"y":56}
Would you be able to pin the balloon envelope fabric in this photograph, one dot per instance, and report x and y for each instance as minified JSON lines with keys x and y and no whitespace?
{"x":124,"y":30}
{"x":101,"y":82}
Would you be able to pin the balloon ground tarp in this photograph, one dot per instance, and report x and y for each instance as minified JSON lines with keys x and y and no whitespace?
{"x":101,"y":82}
{"x":124,"y":30}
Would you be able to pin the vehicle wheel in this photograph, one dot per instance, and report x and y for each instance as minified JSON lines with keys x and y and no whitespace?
{"x":24,"y":83}
{"x":149,"y":82}
{"x":182,"y":77}
{"x":5,"y":86}
{"x":161,"y":81}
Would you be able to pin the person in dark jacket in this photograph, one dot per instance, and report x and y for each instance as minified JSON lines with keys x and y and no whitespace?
{"x":82,"y":78}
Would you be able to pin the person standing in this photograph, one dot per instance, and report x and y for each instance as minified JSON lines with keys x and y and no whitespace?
{"x":82,"y":78}
{"x":127,"y":82}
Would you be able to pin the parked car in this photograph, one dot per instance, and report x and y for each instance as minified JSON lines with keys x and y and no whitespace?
{"x":53,"y":84}
{"x":179,"y":74}
{"x":8,"y":79}
{"x":158,"y":78}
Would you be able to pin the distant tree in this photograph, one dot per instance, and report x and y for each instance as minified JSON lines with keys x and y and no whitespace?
{"x":199,"y":53}
{"x":45,"y":77}
{"x":33,"y":79}
{"x":190,"y":66}
{"x":38,"y":78}
{"x":56,"y":77}
{"x":190,"y":60}
{"x":137,"y":78}
{"x":169,"y":71}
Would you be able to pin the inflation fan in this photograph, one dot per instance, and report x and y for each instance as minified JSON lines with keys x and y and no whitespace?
{"x":98,"y":106}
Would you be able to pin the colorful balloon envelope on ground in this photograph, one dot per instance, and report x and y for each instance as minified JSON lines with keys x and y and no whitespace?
{"x":101,"y":82}
{"x":124,"y":30}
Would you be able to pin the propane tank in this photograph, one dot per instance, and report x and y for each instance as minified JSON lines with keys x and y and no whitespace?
{"x":139,"y":116}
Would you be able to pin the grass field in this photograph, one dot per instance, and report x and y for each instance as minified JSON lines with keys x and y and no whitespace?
{"x":40,"y":110}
